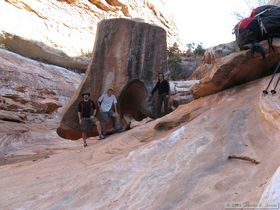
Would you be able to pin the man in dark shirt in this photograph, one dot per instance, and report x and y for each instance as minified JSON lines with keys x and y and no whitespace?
{"x":86,"y":114}
{"x":163,"y":88}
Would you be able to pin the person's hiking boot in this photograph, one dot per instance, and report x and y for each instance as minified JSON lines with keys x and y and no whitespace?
{"x":85,"y":144}
{"x":101,"y":136}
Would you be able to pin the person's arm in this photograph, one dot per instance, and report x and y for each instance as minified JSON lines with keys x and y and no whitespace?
{"x":80,"y":117}
{"x":155,"y":88}
{"x":79,"y":113}
{"x":93,"y":111}
{"x":100,"y":100}
{"x":115,"y":106}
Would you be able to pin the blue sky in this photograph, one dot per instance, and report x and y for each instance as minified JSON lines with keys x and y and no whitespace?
{"x":205,"y":21}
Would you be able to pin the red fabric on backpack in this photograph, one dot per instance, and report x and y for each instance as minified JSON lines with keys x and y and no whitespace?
{"x":254,"y":12}
{"x":245,"y":22}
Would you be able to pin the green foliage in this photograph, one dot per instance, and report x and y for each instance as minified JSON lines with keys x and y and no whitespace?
{"x":191,"y":46}
{"x":175,"y":56}
{"x":174,"y":61}
{"x":88,"y":54}
{"x":195,"y":49}
{"x":199,"y":50}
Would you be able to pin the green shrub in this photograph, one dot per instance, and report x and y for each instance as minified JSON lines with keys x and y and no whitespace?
{"x":174,"y":61}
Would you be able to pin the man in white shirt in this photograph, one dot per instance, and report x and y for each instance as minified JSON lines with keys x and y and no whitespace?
{"x":108,"y":107}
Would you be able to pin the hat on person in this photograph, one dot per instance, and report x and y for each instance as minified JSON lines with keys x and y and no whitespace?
{"x":111,"y":88}
{"x":85,"y":93}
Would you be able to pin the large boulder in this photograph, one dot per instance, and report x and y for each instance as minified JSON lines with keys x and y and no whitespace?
{"x":128,"y":55}
{"x":237,"y":68}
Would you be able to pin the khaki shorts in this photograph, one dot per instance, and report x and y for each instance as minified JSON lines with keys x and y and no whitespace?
{"x":105,"y":115}
{"x":86,"y":122}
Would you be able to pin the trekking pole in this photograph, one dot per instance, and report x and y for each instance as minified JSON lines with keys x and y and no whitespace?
{"x":274,"y":90}
{"x":265,"y":92}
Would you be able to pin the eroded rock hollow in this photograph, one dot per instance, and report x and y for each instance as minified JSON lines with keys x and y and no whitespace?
{"x":128,"y":55}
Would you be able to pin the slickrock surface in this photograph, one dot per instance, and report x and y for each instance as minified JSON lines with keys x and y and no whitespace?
{"x":177,"y":162}
{"x":270,"y":107}
{"x":271,"y":197}
{"x":31,"y":94}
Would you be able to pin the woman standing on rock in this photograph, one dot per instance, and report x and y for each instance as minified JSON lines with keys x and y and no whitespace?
{"x":163,"y":89}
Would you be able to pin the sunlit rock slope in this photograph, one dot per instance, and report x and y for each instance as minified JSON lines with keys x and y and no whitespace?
{"x":31,"y":98}
{"x":48,"y":29}
{"x":180,"y":161}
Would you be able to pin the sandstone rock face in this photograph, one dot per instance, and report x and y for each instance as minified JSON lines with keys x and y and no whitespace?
{"x":8,"y":116}
{"x":201,"y":71}
{"x":68,"y":28}
{"x":128,"y":55}
{"x":181,"y":92}
{"x":237,"y":68}
{"x":269,"y":106}
{"x":29,"y":85}
{"x":176,"y":162}
{"x":188,"y":66}
{"x":31,"y":94}
{"x":40,"y":51}
{"x":223,"y":50}
{"x":211,"y":56}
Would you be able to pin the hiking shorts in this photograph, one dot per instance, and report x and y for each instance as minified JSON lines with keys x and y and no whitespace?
{"x":105,"y":115}
{"x":86,"y":122}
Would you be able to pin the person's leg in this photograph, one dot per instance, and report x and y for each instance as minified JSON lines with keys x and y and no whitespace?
{"x":159,"y":105}
{"x":96,"y":122}
{"x":99,"y":130}
{"x":104,"y":116}
{"x":84,"y":135}
{"x":115,"y":119}
{"x":84,"y":127}
{"x":98,"y":126}
{"x":165,"y":102}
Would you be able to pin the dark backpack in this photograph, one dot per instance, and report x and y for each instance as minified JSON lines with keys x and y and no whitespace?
{"x":263,"y":23}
